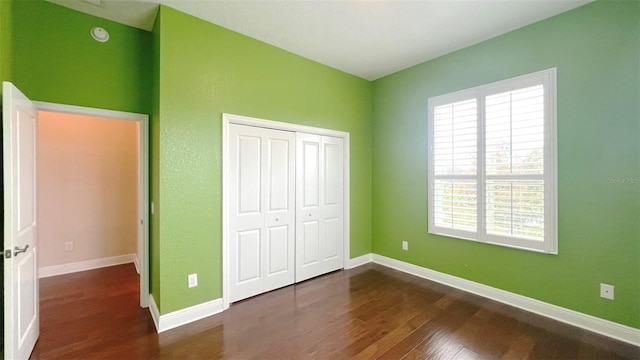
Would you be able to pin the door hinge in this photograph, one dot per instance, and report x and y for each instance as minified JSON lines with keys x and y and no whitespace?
{"x":7,"y":254}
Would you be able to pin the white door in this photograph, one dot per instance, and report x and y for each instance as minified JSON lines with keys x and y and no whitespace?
{"x":21,"y":309}
{"x":319,"y":205}
{"x":261,"y":210}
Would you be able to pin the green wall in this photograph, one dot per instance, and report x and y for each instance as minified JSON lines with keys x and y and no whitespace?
{"x":55,"y":59}
{"x":596,"y":49}
{"x":206,"y":70}
{"x":154,"y":165}
{"x":5,"y":41}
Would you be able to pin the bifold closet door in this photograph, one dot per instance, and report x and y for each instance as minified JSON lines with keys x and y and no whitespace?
{"x":319,"y":205}
{"x":261,"y":210}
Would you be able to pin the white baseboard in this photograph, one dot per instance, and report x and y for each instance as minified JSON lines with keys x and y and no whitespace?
{"x":136,"y":263}
{"x":588,"y":322}
{"x":155,"y":313}
{"x":69,"y":268}
{"x":360,"y":260}
{"x":183,"y":316}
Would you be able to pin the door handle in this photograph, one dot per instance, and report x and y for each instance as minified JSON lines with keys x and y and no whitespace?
{"x":17,"y":250}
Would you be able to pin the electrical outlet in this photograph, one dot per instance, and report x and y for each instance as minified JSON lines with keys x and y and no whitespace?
{"x":193,"y":280}
{"x":68,"y":246}
{"x":606,"y":291}
{"x":405,"y":245}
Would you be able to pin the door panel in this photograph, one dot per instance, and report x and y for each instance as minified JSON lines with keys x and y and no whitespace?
{"x":279,"y":267}
{"x":308,"y":236}
{"x":310,"y":243}
{"x":248,"y":256}
{"x":319,"y":211}
{"x":333,"y":203}
{"x":279,"y":180}
{"x":21,"y":308}
{"x":261,"y":167}
{"x":310,"y":172}
{"x":333,"y":175}
{"x":279,"y":215}
{"x":27,"y":296}
{"x":249,"y":187}
{"x":26,"y":169}
{"x":333,"y":237}
{"x":277,"y":244}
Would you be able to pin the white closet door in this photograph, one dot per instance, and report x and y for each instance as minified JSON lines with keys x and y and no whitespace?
{"x":261,"y":210}
{"x":319,"y":205}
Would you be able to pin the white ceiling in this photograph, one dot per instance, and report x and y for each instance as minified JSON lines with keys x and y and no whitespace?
{"x":369,"y":39}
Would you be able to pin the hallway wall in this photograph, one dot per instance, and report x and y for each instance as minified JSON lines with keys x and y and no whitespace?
{"x":88,"y":187}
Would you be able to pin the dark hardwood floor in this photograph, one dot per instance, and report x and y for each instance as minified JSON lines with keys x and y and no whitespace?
{"x":364,"y":313}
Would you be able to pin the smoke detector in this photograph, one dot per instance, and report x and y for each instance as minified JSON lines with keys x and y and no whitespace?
{"x":100,"y":34}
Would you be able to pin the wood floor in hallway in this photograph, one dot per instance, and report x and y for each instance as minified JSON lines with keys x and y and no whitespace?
{"x":370,"y":312}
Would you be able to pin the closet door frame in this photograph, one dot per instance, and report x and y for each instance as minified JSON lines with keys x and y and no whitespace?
{"x":228,"y":119}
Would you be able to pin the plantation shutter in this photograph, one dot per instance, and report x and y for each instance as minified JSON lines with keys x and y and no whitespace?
{"x":514,"y":163}
{"x":492,"y":163}
{"x":455,"y":165}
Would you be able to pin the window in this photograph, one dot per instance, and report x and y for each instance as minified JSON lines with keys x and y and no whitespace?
{"x":492,"y":163}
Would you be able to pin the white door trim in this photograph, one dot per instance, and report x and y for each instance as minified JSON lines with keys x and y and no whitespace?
{"x":228,"y":119}
{"x":143,"y":179}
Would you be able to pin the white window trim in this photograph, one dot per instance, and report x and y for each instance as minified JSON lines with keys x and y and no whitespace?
{"x":548,"y":79}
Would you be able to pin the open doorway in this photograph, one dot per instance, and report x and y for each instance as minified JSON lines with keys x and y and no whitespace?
{"x":20,"y":208}
{"x":93,"y":193}
{"x":87,"y":192}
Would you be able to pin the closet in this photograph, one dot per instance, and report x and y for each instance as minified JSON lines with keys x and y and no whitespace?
{"x":284,"y":207}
